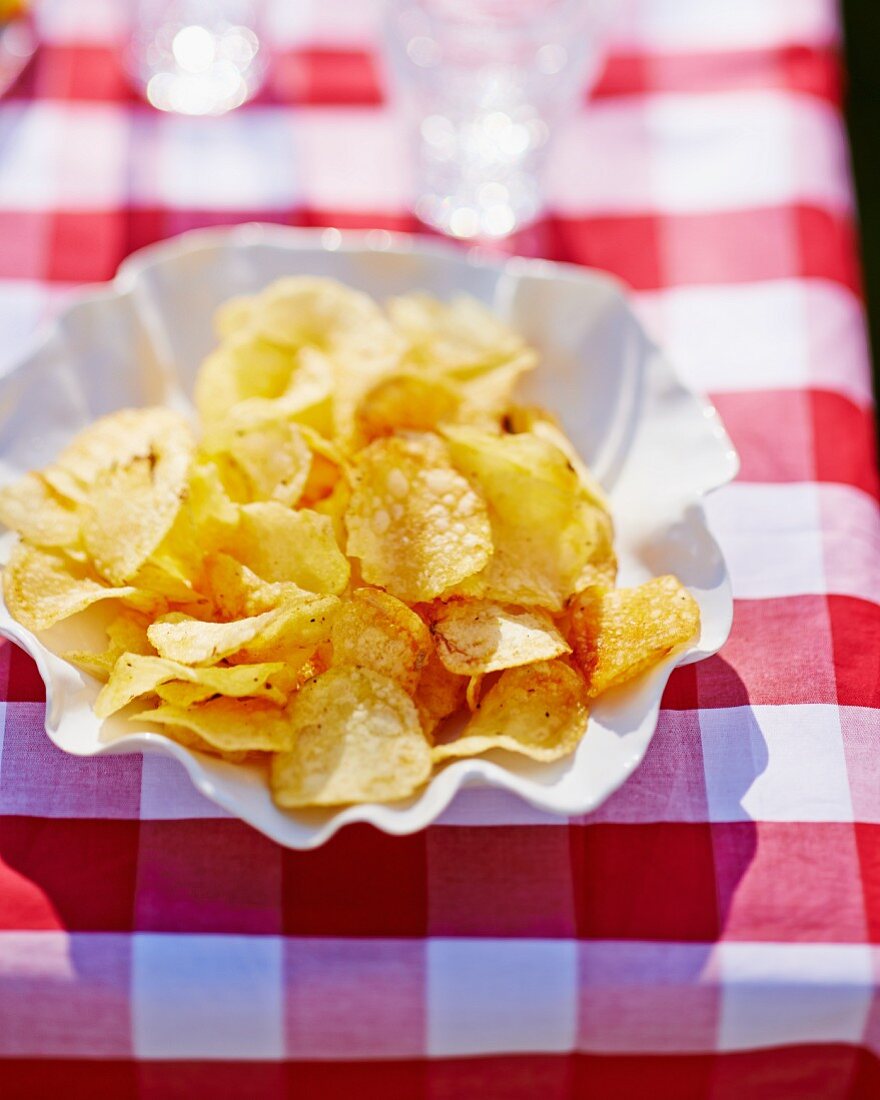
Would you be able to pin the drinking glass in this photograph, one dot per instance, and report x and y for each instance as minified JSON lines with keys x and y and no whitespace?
{"x":197,"y":57}
{"x":484,"y":84}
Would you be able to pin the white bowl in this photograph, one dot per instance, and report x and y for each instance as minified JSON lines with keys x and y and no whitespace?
{"x":656,"y":447}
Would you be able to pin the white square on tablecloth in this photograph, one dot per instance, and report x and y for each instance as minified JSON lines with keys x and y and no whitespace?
{"x":773,"y":335}
{"x":489,"y":996}
{"x":771,"y":538}
{"x":775,"y":763}
{"x":774,"y":994}
{"x":167,"y":793}
{"x":42,"y":169}
{"x":207,"y":996}
{"x":719,"y":24}
{"x":242,"y":160}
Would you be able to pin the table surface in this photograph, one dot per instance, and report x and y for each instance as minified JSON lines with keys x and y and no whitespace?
{"x":713,"y":929}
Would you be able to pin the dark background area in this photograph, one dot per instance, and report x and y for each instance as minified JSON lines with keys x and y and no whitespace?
{"x":862,"y":48}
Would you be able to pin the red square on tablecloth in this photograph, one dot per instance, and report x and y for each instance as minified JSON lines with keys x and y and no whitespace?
{"x":645,"y":882}
{"x":73,"y":874}
{"x":855,"y":628}
{"x":360,"y":883}
{"x":207,"y":876}
{"x":779,"y":880}
{"x":796,"y":630}
{"x":500,"y":881}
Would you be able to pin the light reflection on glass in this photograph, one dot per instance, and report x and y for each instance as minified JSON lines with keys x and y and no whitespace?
{"x":197,"y":57}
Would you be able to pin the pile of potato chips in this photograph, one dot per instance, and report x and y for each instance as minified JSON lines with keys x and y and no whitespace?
{"x":365,"y":561}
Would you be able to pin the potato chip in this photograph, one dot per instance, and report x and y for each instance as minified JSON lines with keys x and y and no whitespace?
{"x":158,"y":582}
{"x":545,"y":529}
{"x":127,"y":633}
{"x":41,"y":587}
{"x":292,"y":636}
{"x":192,"y":741}
{"x":439,"y":694}
{"x":134,"y":675}
{"x":242,"y":368}
{"x":356,"y":738}
{"x":463,"y":337}
{"x":238,"y":592}
{"x":296,"y":624}
{"x":282,"y":545}
{"x":229,"y":725}
{"x":33,"y":508}
{"x":618,"y":633}
{"x":474,"y":637}
{"x":272,"y":454}
{"x":406,"y":401}
{"x":415,"y":523}
{"x":474,"y":691}
{"x":233,"y":315}
{"x":488,"y":395}
{"x":114,"y":440}
{"x":193,"y":642}
{"x":538,"y":710}
{"x":303,"y":310}
{"x":132,"y":505}
{"x":206,"y":520}
{"x":375,"y":630}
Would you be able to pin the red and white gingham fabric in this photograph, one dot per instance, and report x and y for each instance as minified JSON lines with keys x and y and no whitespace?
{"x":712,"y":931}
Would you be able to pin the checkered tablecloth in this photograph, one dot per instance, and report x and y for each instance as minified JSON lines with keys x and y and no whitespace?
{"x":713,"y":930}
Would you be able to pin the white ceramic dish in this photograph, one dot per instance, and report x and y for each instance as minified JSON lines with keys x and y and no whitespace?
{"x":656,"y":447}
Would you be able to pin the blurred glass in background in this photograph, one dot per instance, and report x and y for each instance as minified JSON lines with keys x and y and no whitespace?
{"x":484,"y":85}
{"x":197,"y":57}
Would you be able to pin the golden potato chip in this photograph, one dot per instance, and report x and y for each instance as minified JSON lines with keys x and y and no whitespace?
{"x":233,"y":315}
{"x":474,"y":691}
{"x":538,"y":710}
{"x":134,"y":675}
{"x":356,"y":738}
{"x":474,"y":637}
{"x":463,"y":337}
{"x":181,"y":694}
{"x":304,"y":310}
{"x":618,"y":633}
{"x":299,"y":626}
{"x":158,"y":582}
{"x":127,"y":633}
{"x":132,"y":505}
{"x":415,"y":523}
{"x":229,"y":725}
{"x":242,"y":368}
{"x":206,"y":520}
{"x":439,"y":693}
{"x":282,"y":545}
{"x":296,"y":624}
{"x":545,"y":529}
{"x":41,"y":587}
{"x":193,"y":642}
{"x":377,"y":631}
{"x":33,"y":508}
{"x":192,"y":741}
{"x":114,"y":440}
{"x":238,"y":592}
{"x":487,"y":395}
{"x":410,"y":401}
{"x":272,"y":453}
